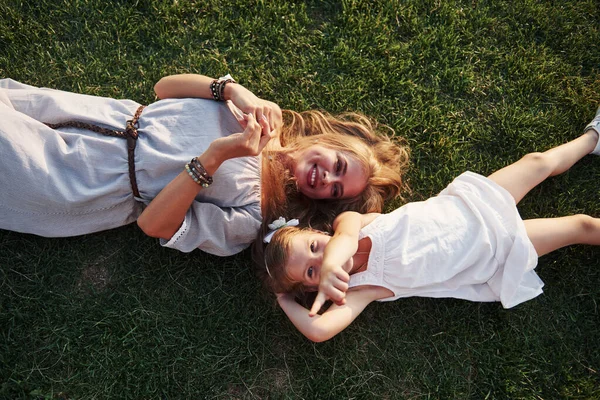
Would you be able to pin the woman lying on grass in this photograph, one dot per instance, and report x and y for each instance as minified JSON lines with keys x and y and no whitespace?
{"x":469,"y":242}
{"x":189,"y":169}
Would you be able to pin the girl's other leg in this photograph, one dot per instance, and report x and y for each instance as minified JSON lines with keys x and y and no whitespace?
{"x":522,"y":176}
{"x":549,"y":234}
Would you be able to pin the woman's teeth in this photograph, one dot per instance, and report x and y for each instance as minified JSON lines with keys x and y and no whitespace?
{"x":313,"y":177}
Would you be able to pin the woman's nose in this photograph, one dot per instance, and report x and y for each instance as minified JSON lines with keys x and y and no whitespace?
{"x":326,"y":178}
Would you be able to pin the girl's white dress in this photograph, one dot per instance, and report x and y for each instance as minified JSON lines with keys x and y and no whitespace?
{"x":469,"y":242}
{"x":73,"y":181}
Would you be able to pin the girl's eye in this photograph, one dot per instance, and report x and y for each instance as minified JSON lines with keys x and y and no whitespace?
{"x":310,"y":272}
{"x":338,"y":166}
{"x":312,"y":247}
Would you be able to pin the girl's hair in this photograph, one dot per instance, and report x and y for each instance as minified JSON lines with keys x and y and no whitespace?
{"x":384,"y":159}
{"x":271,"y":269}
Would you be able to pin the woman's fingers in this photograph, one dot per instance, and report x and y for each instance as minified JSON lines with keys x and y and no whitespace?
{"x":274,"y":123}
{"x":255,"y":141}
{"x":237,"y":113}
{"x":262,"y":117}
{"x":275,"y":116}
{"x":264,"y":123}
{"x":253,"y":126}
{"x":267,"y":114}
{"x":264,"y":139}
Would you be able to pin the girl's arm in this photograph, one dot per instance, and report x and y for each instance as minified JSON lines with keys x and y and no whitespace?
{"x":333,"y":282}
{"x":343,"y":244}
{"x":166,"y":212}
{"x":193,"y":85}
{"x":323,"y":327}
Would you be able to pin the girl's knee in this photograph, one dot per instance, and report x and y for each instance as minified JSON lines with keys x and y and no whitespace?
{"x":542,"y":162}
{"x":587,"y":224}
{"x":536,"y":158}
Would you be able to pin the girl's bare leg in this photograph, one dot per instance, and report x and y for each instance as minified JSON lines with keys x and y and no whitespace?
{"x":522,"y":176}
{"x":549,"y":234}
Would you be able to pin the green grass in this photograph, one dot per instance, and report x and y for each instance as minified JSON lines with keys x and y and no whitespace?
{"x":471,"y":84}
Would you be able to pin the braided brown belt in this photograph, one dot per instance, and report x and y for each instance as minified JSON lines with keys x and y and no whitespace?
{"x":130,"y":133}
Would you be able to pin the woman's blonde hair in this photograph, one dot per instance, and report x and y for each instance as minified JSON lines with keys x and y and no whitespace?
{"x":384,"y":159}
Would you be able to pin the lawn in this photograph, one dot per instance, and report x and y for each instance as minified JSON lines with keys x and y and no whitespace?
{"x":472,"y":85}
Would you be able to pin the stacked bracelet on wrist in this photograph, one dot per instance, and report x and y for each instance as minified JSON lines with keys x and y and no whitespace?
{"x":198,"y":173}
{"x":217,"y":87}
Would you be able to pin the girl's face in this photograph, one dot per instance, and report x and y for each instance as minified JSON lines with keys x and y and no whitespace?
{"x":306,"y":256}
{"x":323,"y":173}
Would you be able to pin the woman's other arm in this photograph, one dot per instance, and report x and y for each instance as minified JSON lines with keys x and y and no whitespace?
{"x":184,"y":85}
{"x":194,"y":85}
{"x":166,"y":212}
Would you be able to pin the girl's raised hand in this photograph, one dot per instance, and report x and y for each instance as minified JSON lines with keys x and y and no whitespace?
{"x":333,"y":285}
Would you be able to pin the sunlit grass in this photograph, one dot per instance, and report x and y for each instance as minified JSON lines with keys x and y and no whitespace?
{"x":471,"y":85}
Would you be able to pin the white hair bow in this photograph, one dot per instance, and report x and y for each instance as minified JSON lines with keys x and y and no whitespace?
{"x":278,"y":224}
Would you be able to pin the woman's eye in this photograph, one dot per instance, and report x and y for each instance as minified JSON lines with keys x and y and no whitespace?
{"x":310,"y":272}
{"x":312,"y":247}
{"x":335,"y":191}
{"x":338,"y":166}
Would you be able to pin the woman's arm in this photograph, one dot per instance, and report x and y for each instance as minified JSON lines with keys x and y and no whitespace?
{"x":323,"y":327}
{"x":185,"y":85}
{"x":193,"y":85}
{"x":166,"y":212}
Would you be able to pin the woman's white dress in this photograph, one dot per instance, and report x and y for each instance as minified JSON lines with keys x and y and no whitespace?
{"x":469,"y":242}
{"x":71,"y":181}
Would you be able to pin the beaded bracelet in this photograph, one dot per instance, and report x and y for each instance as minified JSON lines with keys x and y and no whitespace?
{"x":217,"y":87}
{"x":214,"y":90}
{"x":200,"y":168}
{"x":205,"y":179}
{"x":198,"y":173}
{"x":198,"y":179}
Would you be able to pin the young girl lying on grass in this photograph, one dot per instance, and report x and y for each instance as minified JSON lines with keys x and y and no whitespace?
{"x":469,"y":242}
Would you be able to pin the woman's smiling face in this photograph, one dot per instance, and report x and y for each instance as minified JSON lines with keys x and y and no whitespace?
{"x":323,"y":173}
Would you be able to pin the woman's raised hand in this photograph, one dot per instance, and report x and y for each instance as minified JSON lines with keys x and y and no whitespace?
{"x":164,"y":215}
{"x":267,"y":113}
{"x":248,"y":143}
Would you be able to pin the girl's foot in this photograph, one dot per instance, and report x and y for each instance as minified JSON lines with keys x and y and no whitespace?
{"x":595,"y":126}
